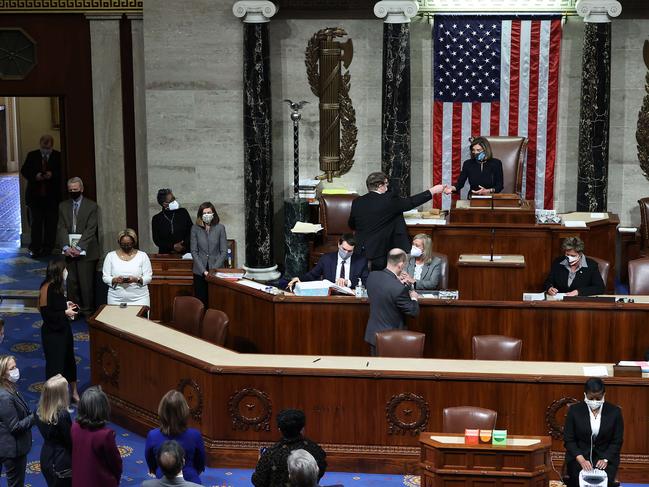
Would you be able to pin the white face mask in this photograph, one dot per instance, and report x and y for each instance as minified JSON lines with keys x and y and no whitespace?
{"x":174,"y":205}
{"x":416,"y":251}
{"x":207,"y":217}
{"x":572,"y":258}
{"x":14,"y":375}
{"x":593,"y":404}
{"x":65,"y":274}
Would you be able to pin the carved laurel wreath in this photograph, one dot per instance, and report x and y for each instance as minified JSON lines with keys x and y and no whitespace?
{"x":250,"y":408}
{"x":403,"y":418}
{"x":555,"y":428}
{"x":349,"y":132}
{"x":642,"y":134}
{"x":108,"y":362}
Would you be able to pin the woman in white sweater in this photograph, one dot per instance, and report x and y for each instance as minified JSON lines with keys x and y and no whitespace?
{"x":127,"y":272}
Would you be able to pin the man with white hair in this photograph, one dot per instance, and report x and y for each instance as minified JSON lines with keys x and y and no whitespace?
{"x":302,"y":469}
{"x":77,"y":236}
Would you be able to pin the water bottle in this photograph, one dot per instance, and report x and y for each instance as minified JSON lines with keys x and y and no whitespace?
{"x":229,"y":259}
{"x":359,"y":289}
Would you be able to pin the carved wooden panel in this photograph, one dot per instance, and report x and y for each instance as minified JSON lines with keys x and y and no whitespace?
{"x":108,"y":364}
{"x":407,"y":413}
{"x":555,"y":427}
{"x":250,"y":408}
{"x":194,"y":397}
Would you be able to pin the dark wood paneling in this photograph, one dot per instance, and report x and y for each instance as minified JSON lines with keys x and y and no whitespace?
{"x":551,"y":331}
{"x":63,"y":69}
{"x":492,"y":281}
{"x":172,"y":276}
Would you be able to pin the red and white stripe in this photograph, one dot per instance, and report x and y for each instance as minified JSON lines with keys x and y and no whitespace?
{"x":529,"y":93}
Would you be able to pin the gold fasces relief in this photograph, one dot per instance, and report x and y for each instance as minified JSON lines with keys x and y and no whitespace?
{"x":325,"y":59}
{"x":642,"y":133}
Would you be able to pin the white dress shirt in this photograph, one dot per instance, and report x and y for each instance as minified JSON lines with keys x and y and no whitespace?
{"x":348,"y":267}
{"x":595,"y":421}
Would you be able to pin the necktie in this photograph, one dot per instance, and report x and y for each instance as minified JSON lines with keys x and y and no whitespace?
{"x":75,"y":210}
{"x":342,"y":269}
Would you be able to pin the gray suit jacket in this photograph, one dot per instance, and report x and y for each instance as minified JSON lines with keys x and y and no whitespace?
{"x":431,"y":274}
{"x":16,"y":421}
{"x":165,"y":482}
{"x":209,"y":250}
{"x":87,"y":222}
{"x":389,"y":302}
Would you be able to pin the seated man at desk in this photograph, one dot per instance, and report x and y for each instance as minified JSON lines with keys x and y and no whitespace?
{"x":573,"y":273}
{"x":485,"y":174}
{"x":342,"y":267}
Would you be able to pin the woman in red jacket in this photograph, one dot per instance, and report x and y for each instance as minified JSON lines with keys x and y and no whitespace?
{"x":95,"y":458}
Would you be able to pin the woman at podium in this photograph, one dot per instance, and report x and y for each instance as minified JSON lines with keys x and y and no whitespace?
{"x":573,"y":273}
{"x":593,"y":434}
{"x":485,"y":174}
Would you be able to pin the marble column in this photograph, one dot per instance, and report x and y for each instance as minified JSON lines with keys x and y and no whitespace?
{"x":139,"y":103}
{"x":108,"y":126}
{"x":592,"y":176}
{"x":395,"y":136}
{"x":257,"y":135}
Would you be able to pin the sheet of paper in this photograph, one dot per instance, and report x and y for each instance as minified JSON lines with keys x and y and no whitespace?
{"x":522,"y":441}
{"x":425,"y":221}
{"x":599,"y":216}
{"x":448,"y":440}
{"x":556,"y":297}
{"x":595,"y":371}
{"x":488,"y":257}
{"x":301,"y":227}
{"x":627,"y":229}
{"x":230,"y":275}
{"x":575,"y":224}
{"x":188,"y":256}
{"x":324,"y":284}
{"x":255,"y":285}
{"x":533,"y":296}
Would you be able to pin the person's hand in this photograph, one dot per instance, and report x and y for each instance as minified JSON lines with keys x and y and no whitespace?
{"x":39,"y":176}
{"x":601,"y":464}
{"x":117,"y":280}
{"x":48,"y":175}
{"x":553,"y":291}
{"x":438,"y":188}
{"x":71,"y":310}
{"x":449,"y":189}
{"x":292,"y":282}
{"x":341,"y":281}
{"x":585,"y":464}
{"x":206,"y":273}
{"x":481,"y":191}
{"x":413,"y":294}
{"x":573,"y":293}
{"x":179,"y":247}
{"x":406,"y":278}
{"x":133,"y":279}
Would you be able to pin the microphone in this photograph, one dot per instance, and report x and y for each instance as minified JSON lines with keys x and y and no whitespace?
{"x":591,"y":450}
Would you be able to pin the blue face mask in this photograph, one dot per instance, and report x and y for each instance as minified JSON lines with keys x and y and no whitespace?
{"x":481,"y":156}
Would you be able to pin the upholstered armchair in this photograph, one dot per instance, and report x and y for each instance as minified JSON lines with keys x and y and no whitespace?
{"x":512,"y":152}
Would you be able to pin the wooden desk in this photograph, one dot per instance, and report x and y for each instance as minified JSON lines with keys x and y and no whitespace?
{"x":172,"y":276}
{"x":446,"y":461}
{"x":539,"y":244}
{"x":367,"y":413}
{"x":502,"y":279}
{"x":335,"y":325}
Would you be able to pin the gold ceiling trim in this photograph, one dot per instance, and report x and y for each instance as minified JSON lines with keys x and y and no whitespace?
{"x":428,"y":8}
{"x":71,"y":6}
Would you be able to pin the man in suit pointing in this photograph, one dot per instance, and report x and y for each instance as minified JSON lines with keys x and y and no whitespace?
{"x":377,"y":218}
{"x":342,"y":267}
{"x":78,"y":215}
{"x":390,"y":299}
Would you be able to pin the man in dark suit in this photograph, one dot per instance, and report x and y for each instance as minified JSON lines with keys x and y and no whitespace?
{"x":389,"y":298}
{"x":42,"y":170}
{"x":171,"y":458}
{"x":596,"y":426}
{"x":342,"y":267}
{"x":574,"y":273}
{"x":377,"y":218}
{"x":78,"y":215}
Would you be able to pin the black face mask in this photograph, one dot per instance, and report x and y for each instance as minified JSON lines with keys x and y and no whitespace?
{"x":126,"y":248}
{"x":74,"y":194}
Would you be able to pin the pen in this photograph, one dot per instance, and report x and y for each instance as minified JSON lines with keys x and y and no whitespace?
{"x":316,"y":360}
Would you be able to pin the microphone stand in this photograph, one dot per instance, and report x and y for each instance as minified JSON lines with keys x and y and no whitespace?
{"x":493,"y":239}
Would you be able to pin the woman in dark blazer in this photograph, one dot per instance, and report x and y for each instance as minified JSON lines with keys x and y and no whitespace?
{"x":209,"y":247}
{"x":16,"y":421}
{"x":56,"y":332}
{"x":574,"y":273}
{"x":423,"y":270}
{"x":485,"y":174}
{"x":54,"y":423}
{"x":596,"y":425}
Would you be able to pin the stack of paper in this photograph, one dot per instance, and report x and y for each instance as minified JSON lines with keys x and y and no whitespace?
{"x":302,"y":227}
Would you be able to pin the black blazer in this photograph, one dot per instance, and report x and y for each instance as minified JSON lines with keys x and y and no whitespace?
{"x":377,"y":220}
{"x":588,"y":280}
{"x":56,"y":453}
{"x":606,"y":445}
{"x":16,"y":422}
{"x":326,"y":269}
{"x":31,"y":167}
{"x":490,"y":175}
{"x":389,"y":302}
{"x":163,"y":237}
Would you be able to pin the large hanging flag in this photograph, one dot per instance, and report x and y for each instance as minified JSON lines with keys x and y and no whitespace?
{"x":496,"y":75}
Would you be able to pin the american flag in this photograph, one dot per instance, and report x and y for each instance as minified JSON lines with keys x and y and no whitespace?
{"x":495,"y":75}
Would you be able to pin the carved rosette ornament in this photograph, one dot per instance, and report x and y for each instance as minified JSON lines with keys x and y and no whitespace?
{"x":407,"y":413}
{"x":338,"y":133}
{"x":555,"y":428}
{"x":642,"y":134}
{"x":250,"y":408}
{"x":194,"y":397}
{"x":108,"y":362}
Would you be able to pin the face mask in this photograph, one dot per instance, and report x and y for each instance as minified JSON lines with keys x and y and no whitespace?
{"x":207,"y":218}
{"x":572,"y":258}
{"x":174,"y":205}
{"x":126,"y":247}
{"x":344,"y":255}
{"x":416,"y":251}
{"x":65,"y":274}
{"x":14,"y":375}
{"x":74,"y":194}
{"x":481,"y":156}
{"x":593,"y":404}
